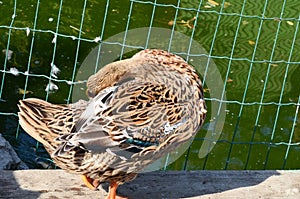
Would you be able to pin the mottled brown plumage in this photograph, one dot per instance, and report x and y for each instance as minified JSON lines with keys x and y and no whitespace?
{"x":139,"y":109}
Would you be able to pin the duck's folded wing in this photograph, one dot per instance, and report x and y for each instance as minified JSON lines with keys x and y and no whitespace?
{"x":127,"y":119}
{"x":144,"y":110}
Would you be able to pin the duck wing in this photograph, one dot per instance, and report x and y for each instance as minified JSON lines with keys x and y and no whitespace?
{"x":144,"y":111}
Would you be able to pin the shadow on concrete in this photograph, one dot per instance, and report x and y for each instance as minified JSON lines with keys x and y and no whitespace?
{"x":10,"y":188}
{"x":190,"y":184}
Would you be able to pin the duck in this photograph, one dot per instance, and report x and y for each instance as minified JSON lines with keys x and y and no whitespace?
{"x":139,"y":109}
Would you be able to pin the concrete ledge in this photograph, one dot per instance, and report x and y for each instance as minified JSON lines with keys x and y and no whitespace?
{"x":54,"y":184}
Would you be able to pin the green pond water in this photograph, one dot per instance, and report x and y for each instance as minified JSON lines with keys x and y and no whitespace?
{"x":255,"y":136}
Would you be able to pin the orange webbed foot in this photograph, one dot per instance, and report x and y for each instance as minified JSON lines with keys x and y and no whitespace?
{"x":112,"y":193}
{"x":90,"y":182}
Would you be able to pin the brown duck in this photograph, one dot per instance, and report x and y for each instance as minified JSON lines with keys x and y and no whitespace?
{"x":139,"y":110}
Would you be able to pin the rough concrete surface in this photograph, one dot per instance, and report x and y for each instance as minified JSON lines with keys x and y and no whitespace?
{"x":53,"y":184}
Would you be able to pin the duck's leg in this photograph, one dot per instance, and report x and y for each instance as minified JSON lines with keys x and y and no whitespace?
{"x":112,"y":192}
{"x":90,"y":183}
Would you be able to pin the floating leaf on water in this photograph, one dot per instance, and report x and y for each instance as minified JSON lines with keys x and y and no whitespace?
{"x":27,"y":31}
{"x":76,"y":29}
{"x":213,"y":3}
{"x":184,"y":23}
{"x":245,"y":22}
{"x":9,"y":53}
{"x":226,"y":4}
{"x":171,"y":23}
{"x":206,"y":90}
{"x":290,"y":23}
{"x":115,"y":10}
{"x":229,"y":80}
{"x":51,"y":87}
{"x":251,"y":42}
{"x":14,"y":71}
{"x":22,"y":91}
